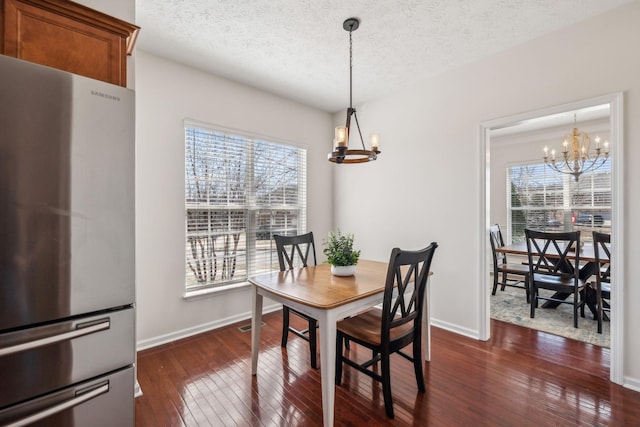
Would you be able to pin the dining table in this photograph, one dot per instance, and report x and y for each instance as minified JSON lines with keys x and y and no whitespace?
{"x":314,"y":291}
{"x":587,"y":269}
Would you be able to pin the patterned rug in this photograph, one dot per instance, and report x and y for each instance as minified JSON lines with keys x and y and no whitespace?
{"x":511,"y":306}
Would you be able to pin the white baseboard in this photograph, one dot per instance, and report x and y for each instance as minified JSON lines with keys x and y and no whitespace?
{"x":632,"y":383}
{"x":198,"y":329}
{"x":470,"y":333}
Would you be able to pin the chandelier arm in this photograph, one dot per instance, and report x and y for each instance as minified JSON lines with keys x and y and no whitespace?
{"x":554,"y":166}
{"x":359,"y":132}
{"x":594,"y":164}
{"x":350,"y":111}
{"x":566,"y":168}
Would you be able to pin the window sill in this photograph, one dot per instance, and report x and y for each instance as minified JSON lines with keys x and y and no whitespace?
{"x":219,"y":290}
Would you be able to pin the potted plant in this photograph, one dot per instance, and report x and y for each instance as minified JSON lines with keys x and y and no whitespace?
{"x":340,"y":253}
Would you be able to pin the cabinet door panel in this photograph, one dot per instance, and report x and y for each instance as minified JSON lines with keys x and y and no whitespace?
{"x":67,"y":36}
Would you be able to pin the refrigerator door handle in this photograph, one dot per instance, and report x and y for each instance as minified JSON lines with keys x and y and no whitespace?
{"x":81,"y":397}
{"x":80,"y":330}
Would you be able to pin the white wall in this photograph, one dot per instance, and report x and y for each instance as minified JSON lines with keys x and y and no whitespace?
{"x":121,"y":9}
{"x":425,"y":185}
{"x":166,"y":94}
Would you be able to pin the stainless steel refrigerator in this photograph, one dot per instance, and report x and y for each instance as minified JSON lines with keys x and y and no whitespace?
{"x":67,"y":320}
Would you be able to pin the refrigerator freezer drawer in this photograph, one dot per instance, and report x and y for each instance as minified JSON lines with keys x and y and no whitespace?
{"x":38,"y":360}
{"x":104,"y":401}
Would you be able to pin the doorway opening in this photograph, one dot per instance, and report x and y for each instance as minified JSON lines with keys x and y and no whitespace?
{"x":513,"y":156}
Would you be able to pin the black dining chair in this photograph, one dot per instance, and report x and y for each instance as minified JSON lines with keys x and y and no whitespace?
{"x":503,"y":271}
{"x":399,"y":323}
{"x":296,"y":251}
{"x":554,"y":264}
{"x":601,"y":242}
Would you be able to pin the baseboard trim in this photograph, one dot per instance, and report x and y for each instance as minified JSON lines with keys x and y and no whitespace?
{"x":198,"y":329}
{"x":632,"y":383}
{"x":470,"y":333}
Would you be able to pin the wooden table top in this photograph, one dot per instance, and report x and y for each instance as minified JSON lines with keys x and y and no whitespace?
{"x":317,"y":287}
{"x":586,"y":253}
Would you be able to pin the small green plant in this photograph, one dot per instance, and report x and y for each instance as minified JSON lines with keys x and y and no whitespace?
{"x":339,"y":249}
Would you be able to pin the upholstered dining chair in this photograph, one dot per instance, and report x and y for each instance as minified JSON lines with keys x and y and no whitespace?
{"x":390,"y":329}
{"x":554,"y":264}
{"x":602,"y":255}
{"x":297,"y":251}
{"x":502,"y":269}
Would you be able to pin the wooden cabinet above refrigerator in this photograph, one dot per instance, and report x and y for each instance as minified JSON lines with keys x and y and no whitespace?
{"x":68,"y":36}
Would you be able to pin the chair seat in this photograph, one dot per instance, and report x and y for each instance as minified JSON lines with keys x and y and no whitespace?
{"x":557,"y":283}
{"x":514,"y":268}
{"x":366,"y":327}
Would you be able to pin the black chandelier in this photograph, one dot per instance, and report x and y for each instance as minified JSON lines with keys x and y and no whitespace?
{"x":342,"y":153}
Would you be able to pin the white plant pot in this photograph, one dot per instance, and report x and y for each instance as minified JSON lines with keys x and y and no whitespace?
{"x":343,"y":270}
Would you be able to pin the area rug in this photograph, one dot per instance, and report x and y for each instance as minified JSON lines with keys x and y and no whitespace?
{"x":511,"y":306}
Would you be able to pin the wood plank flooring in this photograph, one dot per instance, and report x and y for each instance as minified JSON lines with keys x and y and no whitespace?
{"x":519,"y":377}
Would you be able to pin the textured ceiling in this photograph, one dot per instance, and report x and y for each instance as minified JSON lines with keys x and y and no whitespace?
{"x":298,"y":49}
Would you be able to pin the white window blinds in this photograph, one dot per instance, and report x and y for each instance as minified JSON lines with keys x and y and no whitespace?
{"x":239,"y":192}
{"x":544,"y":199}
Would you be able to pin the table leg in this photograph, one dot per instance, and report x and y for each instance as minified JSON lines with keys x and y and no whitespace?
{"x":328,"y":365}
{"x":256,"y":324}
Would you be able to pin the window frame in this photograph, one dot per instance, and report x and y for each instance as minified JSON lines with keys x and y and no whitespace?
{"x":263,"y":164}
{"x":570,"y":193}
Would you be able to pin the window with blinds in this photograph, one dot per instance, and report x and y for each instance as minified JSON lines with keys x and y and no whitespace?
{"x":239,"y":191}
{"x":544,"y":199}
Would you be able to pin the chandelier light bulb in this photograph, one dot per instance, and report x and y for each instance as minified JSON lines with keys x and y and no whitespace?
{"x":342,"y":136}
{"x":375,"y":141}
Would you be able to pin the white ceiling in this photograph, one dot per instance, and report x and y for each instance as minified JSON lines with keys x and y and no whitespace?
{"x":566,"y":119}
{"x":299,"y":50}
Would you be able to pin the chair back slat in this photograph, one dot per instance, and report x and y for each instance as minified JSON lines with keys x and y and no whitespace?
{"x":407,"y":273}
{"x":295,"y":251}
{"x":550,"y":253}
{"x":601,"y":246}
{"x":495,"y":236}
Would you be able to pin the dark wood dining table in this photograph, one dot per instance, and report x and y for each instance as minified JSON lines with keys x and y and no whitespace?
{"x":317,"y":293}
{"x":587,"y":269}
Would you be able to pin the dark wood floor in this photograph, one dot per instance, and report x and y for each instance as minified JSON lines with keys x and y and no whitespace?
{"x":520,"y":377}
